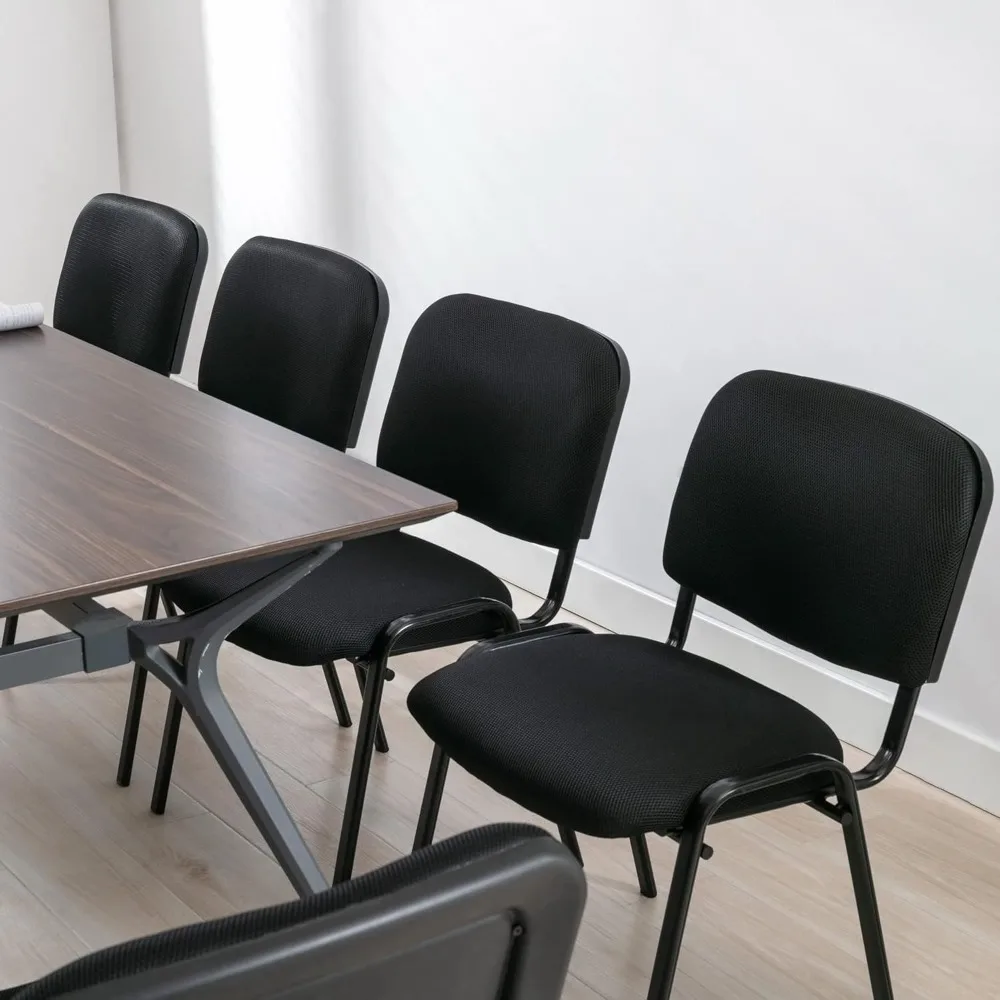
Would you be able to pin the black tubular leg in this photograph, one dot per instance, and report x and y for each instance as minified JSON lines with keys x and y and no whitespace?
{"x":9,"y":631}
{"x":431,"y":804}
{"x":675,"y":917}
{"x":168,"y":744}
{"x":133,"y":717}
{"x":643,"y":866}
{"x":568,"y":837}
{"x":337,"y":695}
{"x":692,"y":846}
{"x":864,"y":892}
{"x":130,"y":735}
{"x":381,"y":743}
{"x":168,"y":750}
{"x":363,"y":749}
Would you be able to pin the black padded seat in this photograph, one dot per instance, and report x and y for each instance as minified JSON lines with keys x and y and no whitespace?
{"x":340,"y":609}
{"x":610,"y":735}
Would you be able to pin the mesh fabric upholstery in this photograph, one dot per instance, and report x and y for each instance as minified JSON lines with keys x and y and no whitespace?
{"x":832,"y":518}
{"x":185,"y":943}
{"x":507,"y":410}
{"x":609,"y":735}
{"x":131,"y":267}
{"x":291,"y":335}
{"x":339,"y":610}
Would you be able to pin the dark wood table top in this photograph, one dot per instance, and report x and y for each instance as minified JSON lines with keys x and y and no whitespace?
{"x":112,"y":476}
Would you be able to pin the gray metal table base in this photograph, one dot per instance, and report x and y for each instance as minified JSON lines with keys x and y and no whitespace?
{"x":101,"y":637}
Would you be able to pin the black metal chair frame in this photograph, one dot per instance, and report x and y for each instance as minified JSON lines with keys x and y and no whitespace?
{"x":720,"y":801}
{"x":392,"y":641}
{"x":154,"y":597}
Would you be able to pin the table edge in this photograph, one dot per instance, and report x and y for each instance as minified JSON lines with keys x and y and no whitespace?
{"x":36,"y":602}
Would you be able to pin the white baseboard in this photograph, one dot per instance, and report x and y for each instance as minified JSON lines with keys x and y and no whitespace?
{"x":958,"y":761}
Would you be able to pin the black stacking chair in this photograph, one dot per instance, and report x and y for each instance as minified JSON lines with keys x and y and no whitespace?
{"x":510,"y":411}
{"x":130,"y":280}
{"x":129,"y":284}
{"x":294,"y":337}
{"x":491,"y":913}
{"x":836,"y":520}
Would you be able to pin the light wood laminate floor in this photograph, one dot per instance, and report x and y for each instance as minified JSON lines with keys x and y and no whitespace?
{"x":83,"y":864}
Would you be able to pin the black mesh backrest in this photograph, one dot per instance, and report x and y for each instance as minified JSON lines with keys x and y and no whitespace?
{"x":510,"y":411}
{"x":294,"y":336}
{"x":130,"y":280}
{"x":837,"y":520}
{"x":439,"y":923}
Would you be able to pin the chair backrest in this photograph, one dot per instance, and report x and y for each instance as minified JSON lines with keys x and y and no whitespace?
{"x":510,"y":411}
{"x":835,"y":519}
{"x":294,"y":337}
{"x":491,"y":913}
{"x":130,"y":280}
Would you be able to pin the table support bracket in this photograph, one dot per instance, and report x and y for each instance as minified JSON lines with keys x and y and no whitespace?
{"x":103,"y":631}
{"x":193,"y":679}
{"x":101,"y":637}
{"x":97,"y":640}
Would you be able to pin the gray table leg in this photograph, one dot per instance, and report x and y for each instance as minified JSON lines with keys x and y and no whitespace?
{"x":194,"y":680}
{"x":214,"y":718}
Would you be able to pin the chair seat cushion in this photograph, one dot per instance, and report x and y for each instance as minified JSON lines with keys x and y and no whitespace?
{"x":609,"y":735}
{"x":339,"y":610}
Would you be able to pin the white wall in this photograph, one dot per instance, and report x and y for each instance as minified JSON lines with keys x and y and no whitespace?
{"x":57,"y":133}
{"x":223,"y":113}
{"x":804,"y":186}
{"x":163,"y":123}
{"x":273,"y":71}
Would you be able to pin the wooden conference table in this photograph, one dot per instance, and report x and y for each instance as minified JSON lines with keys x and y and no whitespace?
{"x":112,"y":477}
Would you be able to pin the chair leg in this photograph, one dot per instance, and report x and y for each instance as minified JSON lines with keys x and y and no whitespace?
{"x":643,"y":866}
{"x":337,"y":695}
{"x":381,"y":743}
{"x":864,"y":892}
{"x":374,"y":674}
{"x":675,"y":917}
{"x":568,"y":837}
{"x":168,"y":745}
{"x":9,"y":631}
{"x":130,"y":735}
{"x":133,"y":716}
{"x":168,"y":749}
{"x":431,"y":804}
